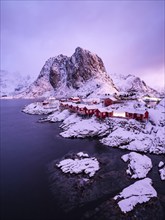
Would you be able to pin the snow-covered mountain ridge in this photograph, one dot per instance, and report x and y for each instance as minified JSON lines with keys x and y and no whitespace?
{"x":81,"y":74}
{"x":13,"y":83}
{"x":128,"y":83}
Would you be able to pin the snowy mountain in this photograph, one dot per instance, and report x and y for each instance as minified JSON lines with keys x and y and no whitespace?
{"x":81,"y":74}
{"x":131,"y":83}
{"x":13,"y":83}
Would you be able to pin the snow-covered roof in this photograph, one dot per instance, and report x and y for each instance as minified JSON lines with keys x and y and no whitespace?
{"x":75,"y":98}
{"x":92,"y":107}
{"x":74,"y":105}
{"x":102,"y":109}
{"x":129,"y":110}
{"x":82,"y":106}
{"x":111,"y":97}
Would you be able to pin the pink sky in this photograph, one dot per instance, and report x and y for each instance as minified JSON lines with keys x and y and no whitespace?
{"x":127,"y":35}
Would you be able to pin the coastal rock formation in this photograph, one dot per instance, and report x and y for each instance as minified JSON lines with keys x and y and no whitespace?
{"x":94,"y":198}
{"x":139,"y":165}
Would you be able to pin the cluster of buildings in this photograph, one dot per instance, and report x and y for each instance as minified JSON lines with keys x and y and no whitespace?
{"x":83,"y":108}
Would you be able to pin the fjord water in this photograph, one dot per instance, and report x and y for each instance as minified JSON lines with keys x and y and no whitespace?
{"x":27,"y":147}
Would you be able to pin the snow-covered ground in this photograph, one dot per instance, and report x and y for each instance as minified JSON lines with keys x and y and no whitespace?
{"x":82,"y":164}
{"x":137,"y":136}
{"x":139,"y":165}
{"x":139,"y":192}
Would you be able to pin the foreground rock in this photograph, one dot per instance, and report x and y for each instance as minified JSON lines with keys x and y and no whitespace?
{"x":93,"y":197}
{"x":139,"y":165}
{"x":162,"y":170}
{"x":83,"y":163}
{"x":139,"y":192}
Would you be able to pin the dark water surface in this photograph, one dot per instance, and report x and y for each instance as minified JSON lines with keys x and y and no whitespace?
{"x":27,"y":147}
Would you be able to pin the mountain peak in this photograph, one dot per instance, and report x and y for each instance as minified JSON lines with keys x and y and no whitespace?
{"x":83,"y":73}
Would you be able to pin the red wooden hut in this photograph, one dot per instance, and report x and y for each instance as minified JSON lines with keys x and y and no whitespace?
{"x":81,"y":109}
{"x":101,"y":113}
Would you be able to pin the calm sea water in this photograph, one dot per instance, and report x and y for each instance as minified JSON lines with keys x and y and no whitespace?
{"x":27,"y":147}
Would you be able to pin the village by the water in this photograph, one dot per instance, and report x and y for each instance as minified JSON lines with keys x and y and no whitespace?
{"x":122,"y":121}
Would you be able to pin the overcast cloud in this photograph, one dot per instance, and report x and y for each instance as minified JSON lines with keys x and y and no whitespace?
{"x":127,"y":35}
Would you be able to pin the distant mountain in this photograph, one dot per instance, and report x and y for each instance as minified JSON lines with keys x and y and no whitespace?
{"x":81,"y":74}
{"x":13,"y":83}
{"x":128,"y":83}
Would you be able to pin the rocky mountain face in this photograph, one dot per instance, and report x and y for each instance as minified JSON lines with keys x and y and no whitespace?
{"x":81,"y":74}
{"x":76,"y":70}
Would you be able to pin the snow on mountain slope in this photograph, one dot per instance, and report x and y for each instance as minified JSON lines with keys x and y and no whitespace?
{"x":81,"y":74}
{"x":128,"y":83}
{"x":41,"y":86}
{"x":13,"y":83}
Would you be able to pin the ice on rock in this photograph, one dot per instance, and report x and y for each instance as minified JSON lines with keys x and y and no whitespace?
{"x":161,"y":164}
{"x":88,"y":165}
{"x":81,"y":154}
{"x":162,"y":173}
{"x":162,"y":170}
{"x":139,"y":192}
{"x":139,"y":165}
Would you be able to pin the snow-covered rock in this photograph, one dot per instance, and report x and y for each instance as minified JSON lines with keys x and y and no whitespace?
{"x":161,"y":166}
{"x":40,"y":109}
{"x":84,"y":128}
{"x":84,"y":163}
{"x":135,"y":136}
{"x":162,"y":173}
{"x":59,"y":116}
{"x":139,"y":192}
{"x":139,"y":165}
